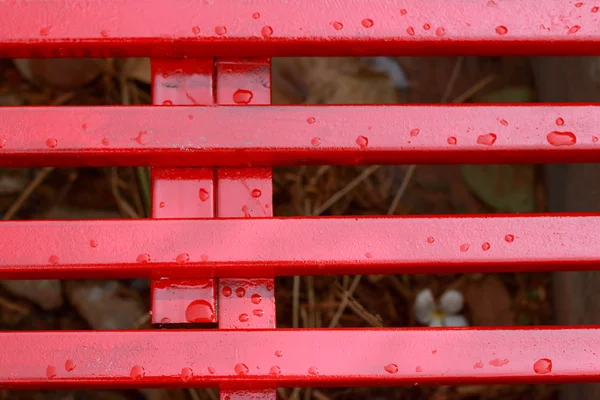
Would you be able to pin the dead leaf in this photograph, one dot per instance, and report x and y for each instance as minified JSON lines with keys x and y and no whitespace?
{"x":489,"y":302}
{"x":60,"y":73}
{"x":138,"y":69}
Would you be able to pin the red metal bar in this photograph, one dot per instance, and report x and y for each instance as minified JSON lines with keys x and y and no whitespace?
{"x":280,"y":357}
{"x":276,"y":135}
{"x":266,"y":247}
{"x":280,"y":28}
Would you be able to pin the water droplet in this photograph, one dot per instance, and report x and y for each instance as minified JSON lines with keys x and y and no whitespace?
{"x":275,"y":370}
{"x":430,"y":240}
{"x":279,"y":353}
{"x":70,"y":365}
{"x":162,"y":204}
{"x":594,"y":139}
{"x":139,"y":139}
{"x":199,"y":311}
{"x":137,"y":372}
{"x":258,"y":313}
{"x":578,"y":4}
{"x":391,"y":368}
{"x":504,"y":122}
{"x":183,"y":258}
{"x":94,"y":243}
{"x":316,"y":141}
{"x":165,"y":320}
{"x":196,"y":30}
{"x":403,"y":12}
{"x":270,"y":287}
{"x":243,"y":317}
{"x":143,"y":258}
{"x":478,"y":365}
{"x":313,"y":371}
{"x":105,"y":142}
{"x":464,"y":247}
{"x":242,"y":96}
{"x":498,"y":362}
{"x":186,"y":374}
{"x":501,"y":30}
{"x":433,"y":351}
{"x":486,"y":246}
{"x":45,"y":31}
{"x":167,"y":103}
{"x":256,"y":298}
{"x":509,"y":238}
{"x":362,"y":142}
{"x":84,"y":127}
{"x":574,"y":29}
{"x":256,"y":193}
{"x":53,"y":260}
{"x":595,"y":9}
{"x":2,"y":142}
{"x":211,"y":370}
{"x":311,"y":120}
{"x":487,"y":140}
{"x":561,"y":138}
{"x":440,"y":31}
{"x":240,"y":292}
{"x":369,"y":254}
{"x":220,"y":30}
{"x":367,"y":23}
{"x":246,"y":211}
{"x":419,"y":369}
{"x":51,"y":142}
{"x":104,"y":33}
{"x":203,"y":194}
{"x":190,"y":117}
{"x":410,"y":30}
{"x":414,"y":132}
{"x":227,"y":291}
{"x":560,"y":121}
{"x":427,"y":27}
{"x":256,"y":15}
{"x":543,"y":366}
{"x":241,"y":369}
{"x":51,"y":371}
{"x":338,"y":26}
{"x":266,"y":31}
{"x":452,"y":140}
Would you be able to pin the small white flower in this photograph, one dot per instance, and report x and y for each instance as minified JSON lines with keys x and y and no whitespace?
{"x":446,"y":313}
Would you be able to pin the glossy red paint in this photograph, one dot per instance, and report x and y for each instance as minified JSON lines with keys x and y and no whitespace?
{"x":176,"y":301}
{"x":266,"y":28}
{"x":342,"y":357}
{"x":286,"y":135}
{"x":267,"y":247}
{"x":183,"y":193}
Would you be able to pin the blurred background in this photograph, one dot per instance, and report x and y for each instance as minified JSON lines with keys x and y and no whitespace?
{"x":522,"y":299}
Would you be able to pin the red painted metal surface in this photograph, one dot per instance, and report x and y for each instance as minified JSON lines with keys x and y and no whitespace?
{"x":266,"y":247}
{"x":176,"y":301}
{"x":283,"y":135}
{"x":250,"y":358}
{"x":182,"y":193}
{"x":281,"y":28}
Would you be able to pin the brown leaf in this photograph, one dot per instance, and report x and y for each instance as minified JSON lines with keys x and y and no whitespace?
{"x":489,"y":302}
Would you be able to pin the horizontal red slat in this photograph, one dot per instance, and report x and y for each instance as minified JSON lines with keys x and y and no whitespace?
{"x":276,"y":28}
{"x":274,"y":135}
{"x":243,"y":248}
{"x":298,"y":357}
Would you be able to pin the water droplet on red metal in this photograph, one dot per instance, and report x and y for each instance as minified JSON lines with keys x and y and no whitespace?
{"x":451,"y":140}
{"x":595,"y":9}
{"x":104,"y":33}
{"x":478,"y":365}
{"x":311,"y":120}
{"x":51,"y":371}
{"x":316,"y":141}
{"x":504,"y":122}
{"x":167,"y":103}
{"x":186,"y":374}
{"x":279,"y":353}
{"x":362,"y":141}
{"x":256,"y":15}
{"x":561,"y":138}
{"x":509,"y":238}
{"x":497,"y":362}
{"x":256,"y":298}
{"x":430,"y":240}
{"x":403,"y":12}
{"x":594,"y":139}
{"x":414,"y":132}
{"x":139,"y":139}
{"x":487,"y":140}
{"x":270,"y":287}
{"x":137,"y":372}
{"x":51,"y":142}
{"x":419,"y":369}
{"x":2,"y":142}
{"x":574,"y":29}
{"x":211,"y":370}
{"x":578,"y":4}
{"x":543,"y":366}
{"x":199,"y":311}
{"x":162,"y":204}
{"x":464,"y":247}
{"x":220,"y":30}
{"x":243,"y":317}
{"x":434,"y":351}
{"x":246,"y":211}
{"x":440,"y":31}
{"x":105,"y":142}
{"x":165,"y":320}
{"x":313,"y":371}
{"x":501,"y":30}
{"x":560,"y":121}
{"x":69,"y":365}
{"x":240,"y":292}
{"x":266,"y":31}
{"x":241,"y":369}
{"x":427,"y":27}
{"x":256,"y":193}
{"x":227,"y":291}
{"x":45,"y":31}
{"x":84,"y":127}
{"x":275,"y":370}
{"x":143,"y":258}
{"x":203,"y":194}
{"x":183,"y":258}
{"x":258,"y":313}
{"x":391,"y":368}
{"x":410,"y":30}
{"x":369,"y":254}
{"x":367,"y":23}
{"x":94,"y":243}
{"x":196,"y":30}
{"x":53,"y":260}
{"x":486,"y":246}
{"x":338,"y":26}
{"x":190,"y":117}
{"x":242,"y":96}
